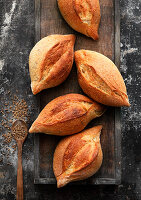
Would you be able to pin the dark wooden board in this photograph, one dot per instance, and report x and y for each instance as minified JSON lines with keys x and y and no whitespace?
{"x":49,"y":21}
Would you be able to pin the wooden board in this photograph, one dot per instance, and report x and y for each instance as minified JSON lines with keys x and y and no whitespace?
{"x":49,"y":21}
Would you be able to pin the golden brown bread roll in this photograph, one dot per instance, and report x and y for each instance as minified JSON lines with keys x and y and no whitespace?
{"x":82,"y":15}
{"x":78,"y":157}
{"x":100,"y":79}
{"x":50,"y":61}
{"x":66,"y":115}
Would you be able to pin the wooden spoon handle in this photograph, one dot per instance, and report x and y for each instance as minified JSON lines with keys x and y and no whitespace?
{"x":19,"y":173}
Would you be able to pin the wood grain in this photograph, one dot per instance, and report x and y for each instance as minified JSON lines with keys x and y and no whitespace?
{"x":117,"y":110}
{"x":51,"y":22}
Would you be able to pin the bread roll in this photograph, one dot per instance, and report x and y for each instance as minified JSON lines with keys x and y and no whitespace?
{"x":78,"y":157}
{"x":50,"y":61}
{"x":66,"y":115}
{"x":100,"y":79}
{"x":82,"y":15}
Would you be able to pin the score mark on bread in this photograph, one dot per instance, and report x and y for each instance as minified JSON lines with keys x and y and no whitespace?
{"x":67,"y":115}
{"x":83,"y":10}
{"x":78,"y":157}
{"x":50,"y":61}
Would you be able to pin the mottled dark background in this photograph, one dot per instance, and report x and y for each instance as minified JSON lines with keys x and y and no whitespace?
{"x":16,"y":41}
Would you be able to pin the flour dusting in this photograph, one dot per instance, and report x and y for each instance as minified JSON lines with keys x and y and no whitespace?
{"x":130,"y":11}
{"x":7,"y":22}
{"x":128,"y":80}
{"x":129,"y":51}
{"x":1,"y":64}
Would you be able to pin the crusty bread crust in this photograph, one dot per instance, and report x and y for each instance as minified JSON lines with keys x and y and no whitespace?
{"x":82,"y":15}
{"x":100,"y":79}
{"x":50,"y":61}
{"x":81,"y":155}
{"x":67,"y":115}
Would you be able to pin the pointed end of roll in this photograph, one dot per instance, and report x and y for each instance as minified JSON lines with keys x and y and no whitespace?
{"x":94,"y":36}
{"x":126,"y":102}
{"x":32,"y":129}
{"x":73,"y":38}
{"x":36,"y":88}
{"x":62,"y":181}
{"x":99,"y":129}
{"x":33,"y":88}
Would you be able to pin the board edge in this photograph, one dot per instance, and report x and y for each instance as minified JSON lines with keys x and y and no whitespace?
{"x":99,"y":181}
{"x":36,"y":136}
{"x":117,"y":110}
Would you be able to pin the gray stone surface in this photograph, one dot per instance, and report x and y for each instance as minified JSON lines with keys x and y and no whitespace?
{"x":16,"y":41}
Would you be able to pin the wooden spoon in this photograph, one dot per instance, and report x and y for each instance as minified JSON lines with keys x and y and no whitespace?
{"x":19,"y":132}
